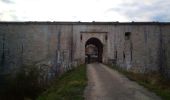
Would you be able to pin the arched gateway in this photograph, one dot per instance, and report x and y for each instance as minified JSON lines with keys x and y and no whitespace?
{"x":138,"y":47}
{"x":93,"y":50}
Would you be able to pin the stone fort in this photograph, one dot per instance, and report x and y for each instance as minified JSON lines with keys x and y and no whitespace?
{"x":140,"y":47}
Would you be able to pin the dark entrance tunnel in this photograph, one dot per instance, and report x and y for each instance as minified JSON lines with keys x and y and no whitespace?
{"x":93,"y":50}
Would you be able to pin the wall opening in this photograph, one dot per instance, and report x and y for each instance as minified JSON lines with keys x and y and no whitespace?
{"x":123,"y":56}
{"x":106,"y":37}
{"x":127,"y":54}
{"x":127,"y":35}
{"x":116,"y":55}
{"x":93,"y":50}
{"x":81,"y":37}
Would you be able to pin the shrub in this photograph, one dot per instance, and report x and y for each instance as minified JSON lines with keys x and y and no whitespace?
{"x":21,"y":85}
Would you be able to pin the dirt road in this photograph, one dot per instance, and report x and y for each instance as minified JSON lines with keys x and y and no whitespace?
{"x":107,"y":84}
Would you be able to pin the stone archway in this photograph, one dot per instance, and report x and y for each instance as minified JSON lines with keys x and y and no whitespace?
{"x":93,"y":50}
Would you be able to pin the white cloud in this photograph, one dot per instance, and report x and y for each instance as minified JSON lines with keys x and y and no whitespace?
{"x":84,"y":10}
{"x":146,"y":10}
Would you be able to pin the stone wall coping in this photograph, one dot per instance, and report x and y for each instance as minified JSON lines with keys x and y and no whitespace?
{"x":82,"y":23}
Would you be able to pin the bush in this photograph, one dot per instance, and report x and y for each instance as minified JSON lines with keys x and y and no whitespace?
{"x":21,"y":85}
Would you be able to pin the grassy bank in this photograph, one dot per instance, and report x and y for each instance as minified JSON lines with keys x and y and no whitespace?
{"x":152,"y":81}
{"x":70,"y":86}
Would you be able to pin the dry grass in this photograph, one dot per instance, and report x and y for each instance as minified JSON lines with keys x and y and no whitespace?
{"x":152,"y":81}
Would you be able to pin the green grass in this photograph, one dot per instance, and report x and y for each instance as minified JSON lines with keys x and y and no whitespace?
{"x":152,"y":81}
{"x":70,"y":86}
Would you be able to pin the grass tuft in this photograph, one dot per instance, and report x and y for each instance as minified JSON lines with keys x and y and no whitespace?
{"x":153,"y":81}
{"x":70,"y":86}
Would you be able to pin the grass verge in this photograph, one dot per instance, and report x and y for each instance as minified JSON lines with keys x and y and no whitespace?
{"x":152,"y":81}
{"x":70,"y":86}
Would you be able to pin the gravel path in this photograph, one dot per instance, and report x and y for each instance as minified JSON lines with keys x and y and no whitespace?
{"x":107,"y":84}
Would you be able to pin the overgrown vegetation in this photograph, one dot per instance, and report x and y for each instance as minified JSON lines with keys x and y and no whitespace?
{"x":25,"y":84}
{"x":69,"y":86}
{"x":21,"y":85}
{"x":153,"y":81}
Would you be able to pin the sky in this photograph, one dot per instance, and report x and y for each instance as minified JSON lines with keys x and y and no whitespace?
{"x":85,"y":10}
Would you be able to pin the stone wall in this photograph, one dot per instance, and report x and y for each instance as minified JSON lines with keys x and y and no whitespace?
{"x":46,"y":46}
{"x":139,"y":50}
{"x":56,"y":46}
{"x":92,"y":31}
{"x":165,"y":49}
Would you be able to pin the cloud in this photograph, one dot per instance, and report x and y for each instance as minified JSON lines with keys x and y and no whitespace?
{"x":7,"y":1}
{"x":144,"y":10}
{"x":84,"y":10}
{"x":8,"y":16}
{"x":7,"y":11}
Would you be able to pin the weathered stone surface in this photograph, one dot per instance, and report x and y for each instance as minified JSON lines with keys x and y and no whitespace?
{"x":58,"y":45}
